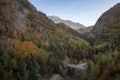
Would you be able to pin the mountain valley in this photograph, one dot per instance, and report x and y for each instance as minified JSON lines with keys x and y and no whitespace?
{"x":33,"y":47}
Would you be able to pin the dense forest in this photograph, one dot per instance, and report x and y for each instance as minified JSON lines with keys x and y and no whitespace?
{"x":34,"y":47}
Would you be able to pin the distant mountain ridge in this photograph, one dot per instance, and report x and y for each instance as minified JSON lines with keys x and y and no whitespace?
{"x":86,"y":29}
{"x":73,"y":25}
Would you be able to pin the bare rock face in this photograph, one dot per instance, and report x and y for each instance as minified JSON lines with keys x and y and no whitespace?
{"x":110,"y":17}
{"x":81,"y":67}
{"x":56,"y":77}
{"x":53,"y":77}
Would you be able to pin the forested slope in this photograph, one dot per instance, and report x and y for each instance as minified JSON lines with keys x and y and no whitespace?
{"x":32,"y":46}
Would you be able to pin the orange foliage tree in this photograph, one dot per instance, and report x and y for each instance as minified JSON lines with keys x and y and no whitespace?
{"x":25,"y":48}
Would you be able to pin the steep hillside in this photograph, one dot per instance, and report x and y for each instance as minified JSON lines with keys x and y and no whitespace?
{"x":106,"y":21}
{"x":32,"y":46}
{"x":67,"y":22}
{"x":109,"y":17}
{"x":104,"y":63}
{"x":107,"y":27}
{"x":111,"y":35}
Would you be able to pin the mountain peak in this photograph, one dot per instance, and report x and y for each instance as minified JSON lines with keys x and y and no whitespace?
{"x":55,"y":17}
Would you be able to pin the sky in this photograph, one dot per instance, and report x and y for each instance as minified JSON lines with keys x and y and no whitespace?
{"x":85,"y":12}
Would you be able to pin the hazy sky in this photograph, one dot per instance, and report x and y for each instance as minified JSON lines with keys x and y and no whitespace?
{"x":85,"y":12}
